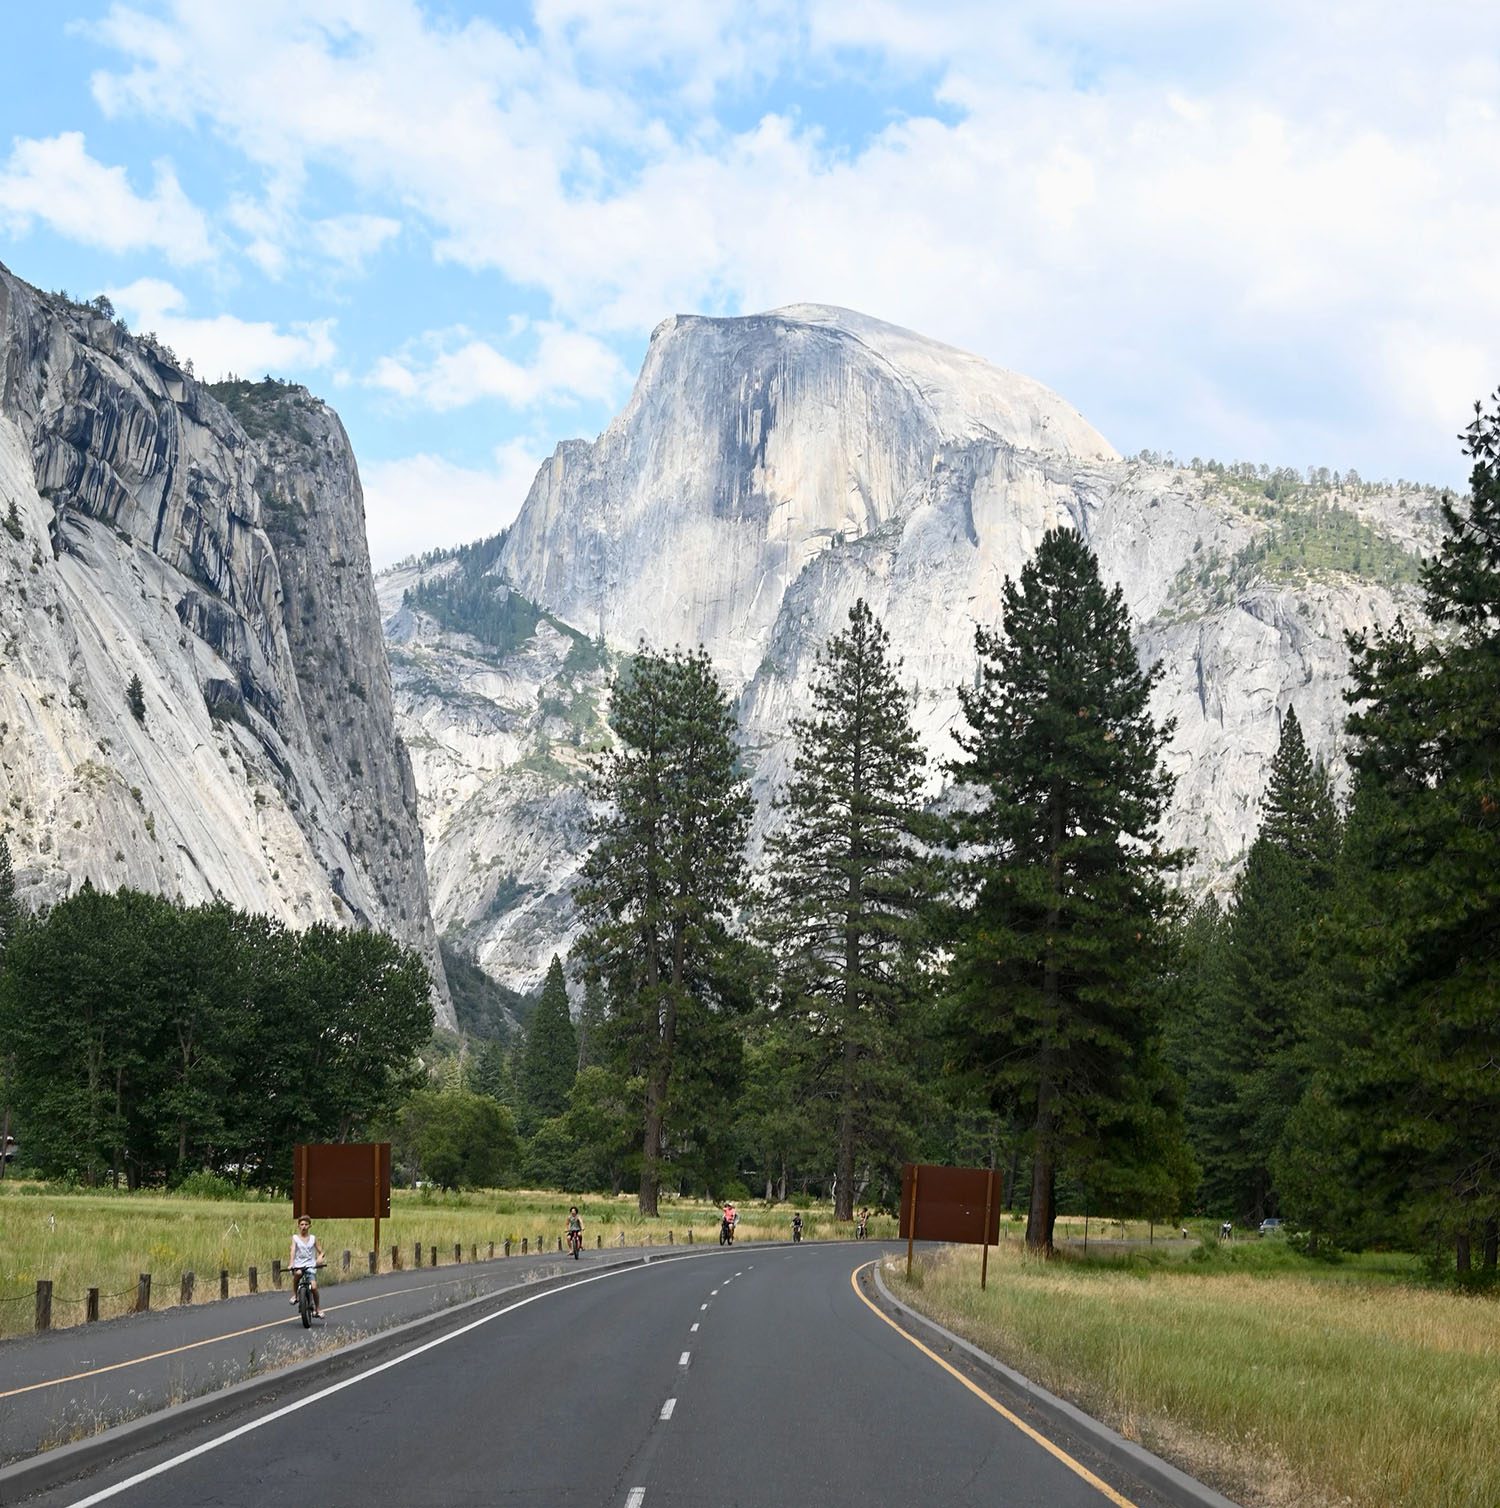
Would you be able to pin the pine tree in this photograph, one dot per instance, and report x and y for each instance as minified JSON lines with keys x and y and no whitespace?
{"x":591,"y":1016}
{"x":847,"y":886}
{"x":10,"y":907}
{"x":1278,"y":899}
{"x":1062,"y":925}
{"x":135,"y":699}
{"x":665,"y":873}
{"x":549,"y":1057}
{"x":1425,"y":1029}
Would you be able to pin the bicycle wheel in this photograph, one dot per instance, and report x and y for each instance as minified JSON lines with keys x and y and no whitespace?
{"x":304,"y":1302}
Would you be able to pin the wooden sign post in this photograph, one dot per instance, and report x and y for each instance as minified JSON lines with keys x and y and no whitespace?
{"x":342,"y":1181}
{"x":951,"y":1204}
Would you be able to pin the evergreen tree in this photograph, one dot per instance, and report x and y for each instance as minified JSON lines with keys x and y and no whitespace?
{"x":491,"y":1075}
{"x":1425,"y":1033}
{"x":10,"y":907}
{"x":666,"y":872}
{"x":591,"y":1026}
{"x":847,"y":884}
{"x":1270,"y":1000}
{"x":548,"y":1061}
{"x":135,"y":699}
{"x":1063,"y":918}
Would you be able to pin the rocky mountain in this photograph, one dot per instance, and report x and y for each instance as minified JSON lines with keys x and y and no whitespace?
{"x":767,"y":472}
{"x":209,"y":542}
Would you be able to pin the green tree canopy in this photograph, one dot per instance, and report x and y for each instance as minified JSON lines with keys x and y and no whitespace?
{"x":1062,"y":926}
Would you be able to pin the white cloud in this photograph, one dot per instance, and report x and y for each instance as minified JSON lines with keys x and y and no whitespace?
{"x":1139,"y":201}
{"x":223,"y":344}
{"x":54,"y":180}
{"x":351,"y":240}
{"x":449,"y":369}
{"x":418,"y":502}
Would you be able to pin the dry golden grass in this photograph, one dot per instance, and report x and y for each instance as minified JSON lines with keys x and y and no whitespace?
{"x":105,"y":1240}
{"x":1283,"y":1387}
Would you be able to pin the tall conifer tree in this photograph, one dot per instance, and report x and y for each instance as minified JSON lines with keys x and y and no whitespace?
{"x":1428,"y":721}
{"x":549,"y":1057}
{"x":1061,"y":930}
{"x":1279,"y":896}
{"x":666,"y":872}
{"x":847,"y":885}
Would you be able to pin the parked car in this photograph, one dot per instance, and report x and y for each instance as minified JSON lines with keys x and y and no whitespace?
{"x":1271,"y":1227}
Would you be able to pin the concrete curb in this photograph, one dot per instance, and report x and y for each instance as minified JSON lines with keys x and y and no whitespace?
{"x":52,"y":1468}
{"x":1175,"y":1485}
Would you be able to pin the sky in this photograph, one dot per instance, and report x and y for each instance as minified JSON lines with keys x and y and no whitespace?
{"x":1261,"y":232}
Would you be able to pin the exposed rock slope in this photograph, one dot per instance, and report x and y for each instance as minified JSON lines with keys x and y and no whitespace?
{"x":768,"y":471}
{"x":223,"y":561}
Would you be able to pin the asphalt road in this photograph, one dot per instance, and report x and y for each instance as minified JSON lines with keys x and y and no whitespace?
{"x":753,"y":1377}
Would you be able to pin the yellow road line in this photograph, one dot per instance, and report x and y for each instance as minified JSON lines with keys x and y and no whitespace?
{"x":135,"y":1361}
{"x":1056,"y":1450}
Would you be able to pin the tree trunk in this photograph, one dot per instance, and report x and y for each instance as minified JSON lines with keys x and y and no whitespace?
{"x":1041,"y":1218}
{"x":1461,"y":1252}
{"x":4,"y":1141}
{"x":843,"y":1208}
{"x":1491,"y":1242}
{"x":119,"y":1147}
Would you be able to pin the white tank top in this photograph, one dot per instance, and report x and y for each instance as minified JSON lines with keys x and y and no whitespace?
{"x":304,"y":1250}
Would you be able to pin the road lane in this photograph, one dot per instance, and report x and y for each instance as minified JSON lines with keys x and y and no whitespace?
{"x":602,"y":1393}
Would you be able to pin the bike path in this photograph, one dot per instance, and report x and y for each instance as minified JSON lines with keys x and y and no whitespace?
{"x":68,"y":1384}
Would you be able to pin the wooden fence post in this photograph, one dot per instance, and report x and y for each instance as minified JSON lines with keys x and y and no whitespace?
{"x":44,"y":1303}
{"x":143,"y":1293}
{"x":395,"y":1259}
{"x":374,"y":1262}
{"x":276,"y":1272}
{"x":598,"y":1240}
{"x":186,"y":1295}
{"x":434,"y":1256}
{"x":523,"y":1246}
{"x":458,"y":1251}
{"x":492,"y":1251}
{"x":507,"y":1246}
{"x":670,"y":1241}
{"x":223,"y":1282}
{"x":474,"y":1251}
{"x":348,"y":1255}
{"x":91,"y":1307}
{"x":417,"y":1254}
{"x":253,"y":1277}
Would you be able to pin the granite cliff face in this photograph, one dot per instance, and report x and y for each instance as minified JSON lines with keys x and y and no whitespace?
{"x":220,"y":556}
{"x":769,"y":471}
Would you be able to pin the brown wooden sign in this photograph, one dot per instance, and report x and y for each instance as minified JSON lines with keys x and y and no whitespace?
{"x":342,"y":1181}
{"x":949,"y":1204}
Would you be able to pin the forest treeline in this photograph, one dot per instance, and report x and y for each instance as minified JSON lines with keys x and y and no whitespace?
{"x":1010,"y":976}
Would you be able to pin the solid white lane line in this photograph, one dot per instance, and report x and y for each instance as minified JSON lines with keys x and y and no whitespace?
{"x":682,"y":1360}
{"x":667,"y":1407}
{"x":636,"y":1498}
{"x":695,"y":1325}
{"x":104,"y":1494}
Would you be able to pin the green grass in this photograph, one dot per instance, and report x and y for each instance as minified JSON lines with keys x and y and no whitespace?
{"x":102,"y":1239}
{"x":1281,"y":1379}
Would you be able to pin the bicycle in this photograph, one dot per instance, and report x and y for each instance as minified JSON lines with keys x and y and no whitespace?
{"x":575,"y":1242}
{"x":304,"y":1293}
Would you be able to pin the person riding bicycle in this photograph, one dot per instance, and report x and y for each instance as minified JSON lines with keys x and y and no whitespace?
{"x":797,"y":1226}
{"x":731,"y":1218}
{"x":306,"y":1254}
{"x":575,"y":1226}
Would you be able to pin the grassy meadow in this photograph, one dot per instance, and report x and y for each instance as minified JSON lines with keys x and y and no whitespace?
{"x":102,"y":1239}
{"x":1282,"y":1380}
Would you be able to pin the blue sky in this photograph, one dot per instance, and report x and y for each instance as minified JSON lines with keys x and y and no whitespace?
{"x":1264,"y":232}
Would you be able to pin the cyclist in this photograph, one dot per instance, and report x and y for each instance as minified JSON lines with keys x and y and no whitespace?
{"x":575,"y":1227}
{"x":306,"y":1252}
{"x":797,"y":1226}
{"x":731,"y":1218}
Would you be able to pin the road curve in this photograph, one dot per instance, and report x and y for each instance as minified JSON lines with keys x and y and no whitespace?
{"x":757,"y":1376}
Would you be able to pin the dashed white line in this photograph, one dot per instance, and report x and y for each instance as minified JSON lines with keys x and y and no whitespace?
{"x":739,"y":1274}
{"x":702,"y":1308}
{"x":712,"y":1292}
{"x":636,"y":1498}
{"x":694,"y":1327}
{"x":682,"y":1360}
{"x":667,"y":1407}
